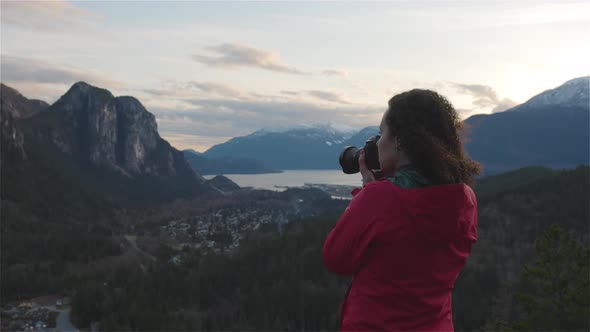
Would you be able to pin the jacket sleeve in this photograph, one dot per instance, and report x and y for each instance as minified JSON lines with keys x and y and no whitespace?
{"x":345,"y":248}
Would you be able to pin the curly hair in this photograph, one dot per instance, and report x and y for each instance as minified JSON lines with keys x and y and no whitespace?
{"x":429,"y":130}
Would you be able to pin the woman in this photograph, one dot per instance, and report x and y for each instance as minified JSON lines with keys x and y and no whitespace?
{"x":406,"y":235}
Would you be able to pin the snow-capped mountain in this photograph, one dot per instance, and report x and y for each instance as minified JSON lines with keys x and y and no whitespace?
{"x":573,"y":93}
{"x":335,"y":129}
{"x":297,"y":147}
{"x":551,"y":129}
{"x":359,"y":138}
{"x":331,"y":134}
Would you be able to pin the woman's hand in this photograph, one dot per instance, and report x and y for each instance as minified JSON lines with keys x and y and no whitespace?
{"x":368,"y":175}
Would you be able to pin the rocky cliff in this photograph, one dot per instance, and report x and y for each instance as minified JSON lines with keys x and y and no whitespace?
{"x":92,"y":141}
{"x":14,"y":106}
{"x":91,"y":124}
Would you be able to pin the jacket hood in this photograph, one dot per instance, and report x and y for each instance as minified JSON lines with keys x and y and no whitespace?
{"x":442,"y":213}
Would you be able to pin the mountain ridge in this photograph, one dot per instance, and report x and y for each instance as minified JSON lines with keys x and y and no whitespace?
{"x":550,"y":129}
{"x":573,"y":93}
{"x":285,"y":150}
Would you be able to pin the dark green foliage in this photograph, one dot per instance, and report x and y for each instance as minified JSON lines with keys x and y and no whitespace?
{"x":48,"y":184}
{"x":561,"y":197}
{"x":277,"y":282}
{"x":50,"y":218}
{"x":35,"y":255}
{"x":513,"y":211}
{"x":274,"y":282}
{"x":496,"y":184}
{"x":556,"y":285}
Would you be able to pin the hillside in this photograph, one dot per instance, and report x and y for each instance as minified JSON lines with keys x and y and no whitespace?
{"x":277,"y":280}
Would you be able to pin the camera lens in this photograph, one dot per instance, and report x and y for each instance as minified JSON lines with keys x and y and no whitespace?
{"x":349,"y":157}
{"x":349,"y":160}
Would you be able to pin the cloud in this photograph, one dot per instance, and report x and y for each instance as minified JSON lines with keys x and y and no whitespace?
{"x":290,"y":93}
{"x":503,"y":105}
{"x":328,"y":96}
{"x":39,"y":79}
{"x":45,"y":16}
{"x":17,"y":69}
{"x":202,"y":114}
{"x":193,"y":88}
{"x":159,"y":92}
{"x":216,"y":88}
{"x":235,"y":55}
{"x":335,"y":72}
{"x":213,"y":121}
{"x":484,"y":96}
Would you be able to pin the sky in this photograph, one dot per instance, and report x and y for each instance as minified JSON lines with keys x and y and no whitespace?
{"x":210,"y":71}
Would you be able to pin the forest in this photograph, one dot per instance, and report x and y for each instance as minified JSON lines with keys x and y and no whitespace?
{"x":528,"y":271}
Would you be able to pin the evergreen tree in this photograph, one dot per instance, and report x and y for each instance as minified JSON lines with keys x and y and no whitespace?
{"x":557,"y":293}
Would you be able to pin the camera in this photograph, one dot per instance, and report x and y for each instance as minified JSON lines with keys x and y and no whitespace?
{"x":349,"y":157}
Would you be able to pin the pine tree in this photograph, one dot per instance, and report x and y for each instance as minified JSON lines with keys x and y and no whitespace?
{"x":556,"y":284}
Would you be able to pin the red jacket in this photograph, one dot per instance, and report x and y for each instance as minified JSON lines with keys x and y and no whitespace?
{"x":404,"y":248}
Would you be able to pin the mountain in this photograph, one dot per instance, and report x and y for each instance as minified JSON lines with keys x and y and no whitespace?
{"x":572,"y":94}
{"x":359,"y":138}
{"x":223,"y":184}
{"x":303,"y":147}
{"x":96,"y":143}
{"x":18,"y":105}
{"x":225,"y":165}
{"x":551,"y":130}
{"x":91,"y":124}
{"x":14,"y":106}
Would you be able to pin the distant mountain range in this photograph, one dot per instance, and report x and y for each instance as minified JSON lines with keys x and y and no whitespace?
{"x":551,"y":129}
{"x":312,"y":147}
{"x":271,"y":150}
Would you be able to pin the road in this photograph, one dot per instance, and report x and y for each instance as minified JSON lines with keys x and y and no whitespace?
{"x":132,"y":240}
{"x":63,"y":322}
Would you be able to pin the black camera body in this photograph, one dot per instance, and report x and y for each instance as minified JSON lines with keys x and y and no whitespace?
{"x":349,"y":157}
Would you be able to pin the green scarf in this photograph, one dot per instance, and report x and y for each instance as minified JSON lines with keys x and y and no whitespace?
{"x":407,"y":176}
